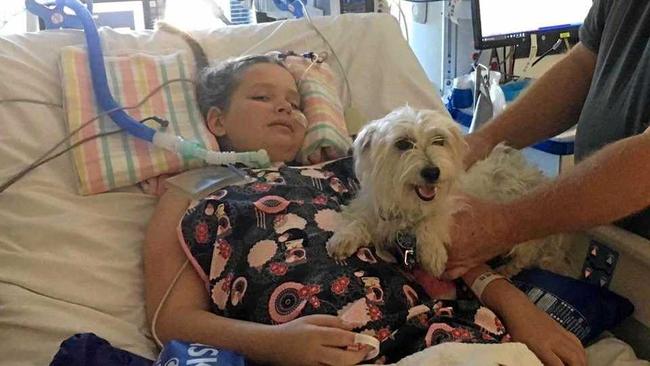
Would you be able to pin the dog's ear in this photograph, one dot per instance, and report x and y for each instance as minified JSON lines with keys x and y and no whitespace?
{"x":364,"y":139}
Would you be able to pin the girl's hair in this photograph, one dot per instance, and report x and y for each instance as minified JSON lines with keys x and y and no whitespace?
{"x":216,"y":84}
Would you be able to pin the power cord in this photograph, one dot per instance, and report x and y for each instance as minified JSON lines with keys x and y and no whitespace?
{"x":9,"y":18}
{"x":336,"y":57}
{"x":31,"y":101}
{"x":555,"y":46}
{"x":248,"y":50}
{"x":401,"y":16}
{"x":46,"y":156}
{"x":320,"y":34}
{"x":154,"y":320}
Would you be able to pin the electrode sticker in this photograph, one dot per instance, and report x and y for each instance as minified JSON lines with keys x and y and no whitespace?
{"x":370,"y":341}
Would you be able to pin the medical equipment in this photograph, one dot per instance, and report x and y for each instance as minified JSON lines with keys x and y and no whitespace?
{"x":55,"y":17}
{"x":170,"y":142}
{"x":498,"y":23}
{"x":291,"y":6}
{"x":198,"y":183}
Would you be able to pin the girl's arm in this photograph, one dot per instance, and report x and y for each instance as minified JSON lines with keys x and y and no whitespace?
{"x":185,"y":315}
{"x":526,"y":323}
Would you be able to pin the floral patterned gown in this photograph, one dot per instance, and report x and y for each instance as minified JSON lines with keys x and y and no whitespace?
{"x":260,"y":248}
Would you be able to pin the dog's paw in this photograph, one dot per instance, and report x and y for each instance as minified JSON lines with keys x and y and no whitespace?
{"x":432,"y":258}
{"x":347,"y":241}
{"x":342,"y":246}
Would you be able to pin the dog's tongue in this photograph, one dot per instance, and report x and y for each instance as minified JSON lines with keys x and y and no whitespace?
{"x":426,"y":193}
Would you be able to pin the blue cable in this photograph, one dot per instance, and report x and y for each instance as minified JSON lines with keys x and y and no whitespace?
{"x":98,"y":72}
{"x":57,"y":18}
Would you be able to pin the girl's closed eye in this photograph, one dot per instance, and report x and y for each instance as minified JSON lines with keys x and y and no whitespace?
{"x":261,"y":97}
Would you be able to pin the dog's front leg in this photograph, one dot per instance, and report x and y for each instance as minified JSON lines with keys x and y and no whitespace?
{"x":431,"y":251}
{"x":348,"y":239}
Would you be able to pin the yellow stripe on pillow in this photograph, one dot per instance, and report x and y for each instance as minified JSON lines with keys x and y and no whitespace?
{"x":119,"y":159}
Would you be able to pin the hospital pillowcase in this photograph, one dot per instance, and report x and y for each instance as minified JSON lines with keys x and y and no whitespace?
{"x":119,"y":160}
{"x":322,"y":107}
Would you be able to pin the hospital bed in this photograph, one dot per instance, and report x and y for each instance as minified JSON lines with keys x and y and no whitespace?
{"x":72,"y":264}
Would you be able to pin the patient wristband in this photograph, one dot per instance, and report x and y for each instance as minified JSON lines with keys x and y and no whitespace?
{"x":482,"y":281}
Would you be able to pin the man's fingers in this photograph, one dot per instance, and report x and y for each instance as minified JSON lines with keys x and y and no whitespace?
{"x":454,"y":273}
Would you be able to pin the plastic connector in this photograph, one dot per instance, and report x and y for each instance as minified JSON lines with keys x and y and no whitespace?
{"x":192,"y":150}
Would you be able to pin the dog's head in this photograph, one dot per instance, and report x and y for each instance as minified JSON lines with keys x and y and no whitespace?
{"x":409,"y":159}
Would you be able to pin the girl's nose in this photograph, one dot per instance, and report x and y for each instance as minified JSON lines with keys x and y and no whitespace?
{"x":284,"y":107}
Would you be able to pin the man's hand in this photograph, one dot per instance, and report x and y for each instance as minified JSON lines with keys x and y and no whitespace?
{"x":477,"y":235}
{"x":479,"y":148}
{"x":314,"y":340}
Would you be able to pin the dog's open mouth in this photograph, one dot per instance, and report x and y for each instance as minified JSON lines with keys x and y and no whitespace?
{"x":426,"y":192}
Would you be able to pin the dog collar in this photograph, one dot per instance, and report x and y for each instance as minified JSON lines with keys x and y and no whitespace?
{"x":392,"y":216}
{"x":405,"y":243}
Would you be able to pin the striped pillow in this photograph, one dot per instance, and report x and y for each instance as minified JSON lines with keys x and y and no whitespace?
{"x":322,"y":107}
{"x":119,"y":160}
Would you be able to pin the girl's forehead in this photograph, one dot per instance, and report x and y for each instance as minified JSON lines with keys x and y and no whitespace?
{"x":267,"y":72}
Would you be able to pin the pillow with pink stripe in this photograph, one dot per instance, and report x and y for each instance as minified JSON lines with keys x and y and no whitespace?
{"x":323,"y":109}
{"x":117,"y":160}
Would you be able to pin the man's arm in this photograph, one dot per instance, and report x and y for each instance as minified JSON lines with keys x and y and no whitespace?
{"x":551,"y":105}
{"x":607,"y":186}
{"x":611,"y":184}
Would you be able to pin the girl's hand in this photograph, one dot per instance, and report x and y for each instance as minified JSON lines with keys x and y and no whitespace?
{"x":553,"y":345}
{"x":314,"y":340}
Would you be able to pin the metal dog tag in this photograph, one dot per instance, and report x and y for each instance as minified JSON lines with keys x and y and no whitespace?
{"x":405,"y":243}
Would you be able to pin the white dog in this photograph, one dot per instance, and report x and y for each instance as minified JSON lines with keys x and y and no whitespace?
{"x":410,"y":165}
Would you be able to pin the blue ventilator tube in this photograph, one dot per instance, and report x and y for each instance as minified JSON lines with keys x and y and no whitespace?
{"x":164,"y":140}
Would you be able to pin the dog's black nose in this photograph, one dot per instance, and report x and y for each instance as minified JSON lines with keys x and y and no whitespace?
{"x":430,"y":174}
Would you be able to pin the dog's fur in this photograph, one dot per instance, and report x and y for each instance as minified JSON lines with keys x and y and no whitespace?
{"x":415,"y":189}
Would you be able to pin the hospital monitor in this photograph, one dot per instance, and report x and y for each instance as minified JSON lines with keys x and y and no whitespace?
{"x":500,"y":23}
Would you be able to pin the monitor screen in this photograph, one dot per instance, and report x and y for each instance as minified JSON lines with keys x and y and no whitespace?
{"x":508,"y":22}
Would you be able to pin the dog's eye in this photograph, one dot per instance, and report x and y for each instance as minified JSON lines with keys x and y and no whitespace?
{"x":438,"y":140}
{"x":404,"y":145}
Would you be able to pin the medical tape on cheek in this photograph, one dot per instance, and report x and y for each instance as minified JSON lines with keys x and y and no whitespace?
{"x":299,"y":117}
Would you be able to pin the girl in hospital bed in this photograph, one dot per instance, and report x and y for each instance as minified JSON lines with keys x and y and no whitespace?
{"x":260,"y":281}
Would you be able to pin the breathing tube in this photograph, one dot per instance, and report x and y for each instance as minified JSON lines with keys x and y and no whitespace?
{"x":132,"y":126}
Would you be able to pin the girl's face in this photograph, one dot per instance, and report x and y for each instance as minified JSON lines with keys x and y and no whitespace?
{"x":261,"y":114}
